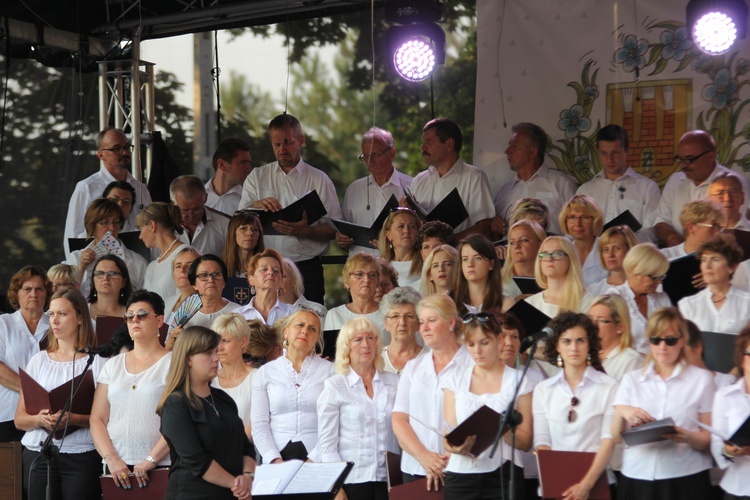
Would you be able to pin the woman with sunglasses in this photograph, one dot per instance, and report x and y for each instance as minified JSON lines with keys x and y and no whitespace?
{"x":124,"y":423}
{"x":75,"y":467}
{"x":720,"y":307}
{"x":160,"y":224}
{"x":105,"y":216}
{"x":109,"y":287}
{"x":729,"y":412}
{"x":244,"y":239}
{"x":479,"y":283}
{"x":558,"y":272}
{"x":489,"y":382}
{"x":618,"y":355}
{"x":613,"y":245}
{"x":573,"y":409}
{"x":668,"y":386}
{"x":645,"y":267}
{"x":582,"y":220}
{"x":264,"y":274}
{"x":419,"y":393}
{"x":397,"y":244}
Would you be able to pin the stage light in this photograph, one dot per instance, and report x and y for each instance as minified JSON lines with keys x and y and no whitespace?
{"x":417,"y":45}
{"x":716,"y":24}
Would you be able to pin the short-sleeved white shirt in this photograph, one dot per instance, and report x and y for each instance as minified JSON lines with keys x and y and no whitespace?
{"x":731,"y":318}
{"x":730,"y":410}
{"x":278,"y":311}
{"x":621,"y":361}
{"x":242,"y":395}
{"x":159,"y":277}
{"x":552,"y":310}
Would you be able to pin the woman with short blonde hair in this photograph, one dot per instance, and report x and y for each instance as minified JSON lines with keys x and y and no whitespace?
{"x":582,"y":219}
{"x":524,"y":239}
{"x":611,"y":315}
{"x":613,"y":245}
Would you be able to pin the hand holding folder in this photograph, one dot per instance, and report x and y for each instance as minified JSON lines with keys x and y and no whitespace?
{"x":309,"y":208}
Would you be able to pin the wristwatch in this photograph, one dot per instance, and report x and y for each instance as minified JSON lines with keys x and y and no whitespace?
{"x":726,"y":455}
{"x":151,"y":459}
{"x":249,"y":473}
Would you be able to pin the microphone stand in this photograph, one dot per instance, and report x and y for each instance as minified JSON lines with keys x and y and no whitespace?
{"x":49,"y":450}
{"x":512,"y":419}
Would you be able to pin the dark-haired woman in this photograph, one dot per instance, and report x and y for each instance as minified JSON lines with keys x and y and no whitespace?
{"x":479,"y":285}
{"x":109,"y":287}
{"x":208,"y":275}
{"x":244,"y":239}
{"x":160,"y":223}
{"x":573,"y":410}
{"x":210,"y":453}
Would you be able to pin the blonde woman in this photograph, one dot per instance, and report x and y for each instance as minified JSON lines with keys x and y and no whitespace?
{"x":524,"y":239}
{"x":397,"y":244}
{"x":439,"y":270}
{"x":610,"y":314}
{"x":582,"y":219}
{"x":160,"y":224}
{"x":613,"y":245}
{"x":354,"y":410}
{"x":293,"y":289}
{"x":558,"y":272}
{"x":64,"y":276}
{"x":701,"y":220}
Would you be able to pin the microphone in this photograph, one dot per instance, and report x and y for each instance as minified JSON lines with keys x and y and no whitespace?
{"x":544,"y":333}
{"x":105,"y":351}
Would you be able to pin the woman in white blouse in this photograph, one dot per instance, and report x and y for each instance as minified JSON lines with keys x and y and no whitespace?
{"x":524,"y":239}
{"x":124,"y":423}
{"x":76,"y":467}
{"x":488,"y":383}
{"x":360,"y":276}
{"x":399,"y":308}
{"x":419,"y":393}
{"x":731,"y":408}
{"x":614,"y":244}
{"x":720,"y":307}
{"x":293,"y":289}
{"x":558,"y":273}
{"x":645,"y":268}
{"x":264,"y":274}
{"x":677,"y":467}
{"x":582,"y":219}
{"x":285,"y":393}
{"x":160,"y":224}
{"x":354,"y":411}
{"x":573,"y":409}
{"x":234,"y":377}
{"x":610,"y":314}
{"x":397,"y":244}
{"x":208,"y":275}
{"x":479,"y":284}
{"x":439,"y":270}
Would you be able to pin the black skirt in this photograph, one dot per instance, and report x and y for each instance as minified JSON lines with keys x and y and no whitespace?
{"x":692,"y":487}
{"x":484,"y":485}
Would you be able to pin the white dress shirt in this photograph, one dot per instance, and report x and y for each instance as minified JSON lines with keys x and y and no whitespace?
{"x":159,"y":277}
{"x":467,"y":403}
{"x":228,"y":202}
{"x":675,"y":252}
{"x":599,"y":288}
{"x":631,"y":191}
{"x":202,"y":319}
{"x":389,"y":365}
{"x":552,"y":310}
{"x":364,"y":200}
{"x":90,"y":189}
{"x":17,"y":346}
{"x":403,"y":267}
{"x":730,"y":410}
{"x":135,"y":263}
{"x":337,"y":316}
{"x":210,"y":235}
{"x":548,"y":185}
{"x":637,"y":321}
{"x":419,"y":395}
{"x":592,"y":269}
{"x":683,"y":396}
{"x":731,"y":318}
{"x":278,"y":311}
{"x":473,"y":186}
{"x":271,"y":181}
{"x":352,"y":427}
{"x":680,"y":190}
{"x":621,"y":361}
{"x":284,"y":405}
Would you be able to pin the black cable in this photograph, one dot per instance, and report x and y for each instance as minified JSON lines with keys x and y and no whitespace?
{"x":215,"y":72}
{"x":288,"y":59}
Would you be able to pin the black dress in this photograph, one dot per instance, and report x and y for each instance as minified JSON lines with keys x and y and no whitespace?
{"x":196,"y":437}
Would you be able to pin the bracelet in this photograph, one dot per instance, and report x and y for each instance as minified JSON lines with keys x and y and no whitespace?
{"x":726,"y":455}
{"x":151,"y":459}
{"x":249,"y":473}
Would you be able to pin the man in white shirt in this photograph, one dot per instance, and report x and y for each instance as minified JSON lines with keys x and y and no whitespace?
{"x":114,"y":152}
{"x":231,"y":161}
{"x":696,"y":155}
{"x":279,"y":184}
{"x":617,"y":187}
{"x":442,"y":141}
{"x":727,"y":193}
{"x":365,"y":198}
{"x":205,"y":228}
{"x":526,"y":149}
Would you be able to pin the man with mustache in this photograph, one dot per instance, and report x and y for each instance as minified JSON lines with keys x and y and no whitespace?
{"x":442,"y":141}
{"x":114,"y":151}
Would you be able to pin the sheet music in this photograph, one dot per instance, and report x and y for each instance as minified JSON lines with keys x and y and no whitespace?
{"x":315,"y":478}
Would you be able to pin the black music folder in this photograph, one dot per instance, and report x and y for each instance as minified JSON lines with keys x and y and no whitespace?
{"x":310,"y":204}
{"x":450,"y":210}
{"x":679,"y":280}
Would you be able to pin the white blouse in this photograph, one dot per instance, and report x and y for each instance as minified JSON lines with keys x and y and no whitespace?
{"x":134,"y":426}
{"x":637,"y":321}
{"x":353,"y":427}
{"x":337,"y":316}
{"x":419,"y":395}
{"x":284,"y":405}
{"x":242,"y":395}
{"x":467,"y":403}
{"x":278,"y":311}
{"x":552,"y":310}
{"x":687,"y":393}
{"x":730,"y":410}
{"x":592,"y":269}
{"x":389,"y":365}
{"x":159,"y":277}
{"x":402,"y":267}
{"x":619,"y":362}
{"x":731,"y":318}
{"x":203,"y":319}
{"x":50,"y":374}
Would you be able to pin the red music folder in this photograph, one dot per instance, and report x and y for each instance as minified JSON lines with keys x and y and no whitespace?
{"x":155,"y":490}
{"x":559,"y":470}
{"x":484,"y":424}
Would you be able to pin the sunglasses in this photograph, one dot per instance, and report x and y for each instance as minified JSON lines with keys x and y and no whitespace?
{"x":482,"y":317}
{"x":141,"y":314}
{"x":572,"y":415}
{"x":670,"y":341}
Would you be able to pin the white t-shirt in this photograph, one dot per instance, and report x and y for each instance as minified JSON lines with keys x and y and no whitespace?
{"x":242,"y":395}
{"x":159,"y":276}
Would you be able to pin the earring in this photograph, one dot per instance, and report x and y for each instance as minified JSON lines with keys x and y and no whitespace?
{"x":285,"y":343}
{"x":390,"y":245}
{"x":559,"y":361}
{"x":122,"y":293}
{"x":95,"y":294}
{"x":588,"y":360}
{"x":252,"y":290}
{"x":278,"y":293}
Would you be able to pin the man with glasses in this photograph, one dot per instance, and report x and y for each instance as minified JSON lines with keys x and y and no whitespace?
{"x":696,"y":158}
{"x":205,"y":228}
{"x":365,"y":198}
{"x":726,"y":192}
{"x":231,"y":163}
{"x":114,"y":151}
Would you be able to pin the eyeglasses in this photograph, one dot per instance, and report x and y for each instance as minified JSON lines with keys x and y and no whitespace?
{"x":482,"y":317}
{"x":655,"y":278}
{"x":120,"y":201}
{"x":373,"y":155}
{"x":64,"y":285}
{"x":572,"y":415}
{"x":306,"y":308}
{"x":216,"y":275}
{"x":746,"y":353}
{"x":141,"y":314}
{"x":582,"y":218}
{"x":670,"y":341}
{"x":721,"y":194}
{"x":109,"y":274}
{"x":602,"y":321}
{"x":192,"y":211}
{"x":398,"y":317}
{"x":689,"y":160}
{"x":360,"y":275}
{"x":109,"y":223}
{"x":713,"y":227}
{"x":118,"y":150}
{"x":556,"y":255}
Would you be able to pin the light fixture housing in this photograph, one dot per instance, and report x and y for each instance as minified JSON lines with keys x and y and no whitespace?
{"x":415,"y":42}
{"x":715,"y":25}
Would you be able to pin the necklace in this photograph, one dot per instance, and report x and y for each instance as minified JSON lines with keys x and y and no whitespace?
{"x":720,"y":300}
{"x":164,"y":254}
{"x":211,"y":403}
